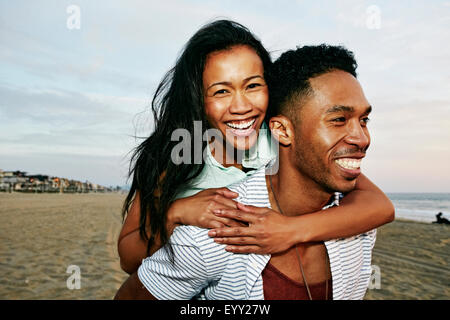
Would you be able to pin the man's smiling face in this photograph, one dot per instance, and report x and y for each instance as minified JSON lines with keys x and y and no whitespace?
{"x":331,"y":134}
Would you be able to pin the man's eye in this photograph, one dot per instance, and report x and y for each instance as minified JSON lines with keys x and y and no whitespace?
{"x":340,"y":119}
{"x":365,"y":120}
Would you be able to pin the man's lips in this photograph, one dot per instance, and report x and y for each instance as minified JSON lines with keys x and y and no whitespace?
{"x":350,"y":164}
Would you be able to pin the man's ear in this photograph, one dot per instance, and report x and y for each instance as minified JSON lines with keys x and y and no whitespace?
{"x":282,"y":129}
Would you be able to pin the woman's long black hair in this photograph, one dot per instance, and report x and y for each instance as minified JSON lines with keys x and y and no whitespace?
{"x":177,"y":103}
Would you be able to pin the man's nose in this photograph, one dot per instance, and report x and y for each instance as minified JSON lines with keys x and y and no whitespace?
{"x":358,"y":136}
{"x":240,"y":104}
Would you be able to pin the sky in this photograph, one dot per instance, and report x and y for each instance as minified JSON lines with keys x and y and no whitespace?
{"x":77,"y":78}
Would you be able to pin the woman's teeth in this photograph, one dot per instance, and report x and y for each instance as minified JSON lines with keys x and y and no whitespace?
{"x":241,"y":125}
{"x":349,"y":163}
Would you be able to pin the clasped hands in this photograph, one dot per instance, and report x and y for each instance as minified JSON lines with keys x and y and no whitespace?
{"x":243,"y":228}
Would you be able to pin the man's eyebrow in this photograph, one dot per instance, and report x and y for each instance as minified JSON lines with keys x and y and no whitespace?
{"x":226,"y":83}
{"x":336,"y":109}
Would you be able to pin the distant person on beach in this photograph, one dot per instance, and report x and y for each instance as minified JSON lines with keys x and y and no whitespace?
{"x":441,"y":220}
{"x":319,"y":117}
{"x":220,"y":79}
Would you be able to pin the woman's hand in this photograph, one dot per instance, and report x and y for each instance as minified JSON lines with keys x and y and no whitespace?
{"x":267,"y":231}
{"x":198,"y":210}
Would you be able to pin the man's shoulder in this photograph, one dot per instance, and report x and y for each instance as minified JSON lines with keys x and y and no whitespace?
{"x":191,"y":238}
{"x":369,"y":237}
{"x":197,"y":237}
{"x":188,"y":235}
{"x":251,"y":188}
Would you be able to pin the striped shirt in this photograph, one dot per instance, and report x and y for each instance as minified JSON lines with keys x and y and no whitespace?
{"x":202,"y":269}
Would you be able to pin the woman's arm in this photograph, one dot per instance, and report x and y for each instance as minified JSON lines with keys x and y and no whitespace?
{"x":133,"y":289}
{"x":131,"y":247}
{"x":363,"y":209}
{"x":195,"y":210}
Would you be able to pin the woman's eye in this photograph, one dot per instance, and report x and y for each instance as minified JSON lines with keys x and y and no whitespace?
{"x":222,"y":91}
{"x":253,"y":85}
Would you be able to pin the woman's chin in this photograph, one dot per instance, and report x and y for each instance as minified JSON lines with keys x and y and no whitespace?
{"x":244,"y":143}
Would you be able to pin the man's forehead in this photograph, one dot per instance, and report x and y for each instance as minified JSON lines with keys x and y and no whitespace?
{"x":338,"y":88}
{"x":335,"y":82}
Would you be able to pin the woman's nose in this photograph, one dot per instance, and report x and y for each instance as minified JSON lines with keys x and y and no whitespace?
{"x":240,"y":104}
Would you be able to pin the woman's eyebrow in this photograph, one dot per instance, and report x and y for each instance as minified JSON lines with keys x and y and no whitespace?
{"x":252,"y":77}
{"x":227,"y":83}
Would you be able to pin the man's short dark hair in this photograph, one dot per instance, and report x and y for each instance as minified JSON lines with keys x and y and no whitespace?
{"x":290,"y":73}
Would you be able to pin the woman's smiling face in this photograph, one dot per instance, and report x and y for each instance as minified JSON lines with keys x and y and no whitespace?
{"x":235,"y":94}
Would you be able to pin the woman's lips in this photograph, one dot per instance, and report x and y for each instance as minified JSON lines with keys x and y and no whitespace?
{"x":242,"y":128}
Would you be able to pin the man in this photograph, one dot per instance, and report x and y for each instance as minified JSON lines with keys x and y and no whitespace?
{"x":319,"y":116}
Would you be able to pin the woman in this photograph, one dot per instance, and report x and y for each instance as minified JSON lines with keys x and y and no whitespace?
{"x":219,"y":80}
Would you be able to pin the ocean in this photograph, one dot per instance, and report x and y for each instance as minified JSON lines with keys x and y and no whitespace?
{"x":421,"y":207}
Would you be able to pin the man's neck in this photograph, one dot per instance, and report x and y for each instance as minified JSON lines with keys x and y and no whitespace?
{"x":295,"y":193}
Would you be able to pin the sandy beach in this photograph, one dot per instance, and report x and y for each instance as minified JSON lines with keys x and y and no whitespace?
{"x":414,"y":261}
{"x":41,"y":235}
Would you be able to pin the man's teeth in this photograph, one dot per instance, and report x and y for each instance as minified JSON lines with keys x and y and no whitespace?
{"x":349,"y":163}
{"x":241,"y":125}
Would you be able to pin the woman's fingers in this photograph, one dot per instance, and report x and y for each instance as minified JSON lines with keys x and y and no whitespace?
{"x":236,"y":215}
{"x":232,"y":232}
{"x":236,"y":240}
{"x":225,"y":222}
{"x":234,"y":223}
{"x":223,"y":196}
{"x":251,"y":209}
{"x":227,"y":193}
{"x":244,"y":249}
{"x":216,"y":224}
{"x":222,"y":202}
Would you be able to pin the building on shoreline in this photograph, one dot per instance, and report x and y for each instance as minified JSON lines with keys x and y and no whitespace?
{"x":19,"y":181}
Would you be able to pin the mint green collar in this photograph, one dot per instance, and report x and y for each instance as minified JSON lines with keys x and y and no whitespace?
{"x":258,"y":156}
{"x":215,"y":175}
